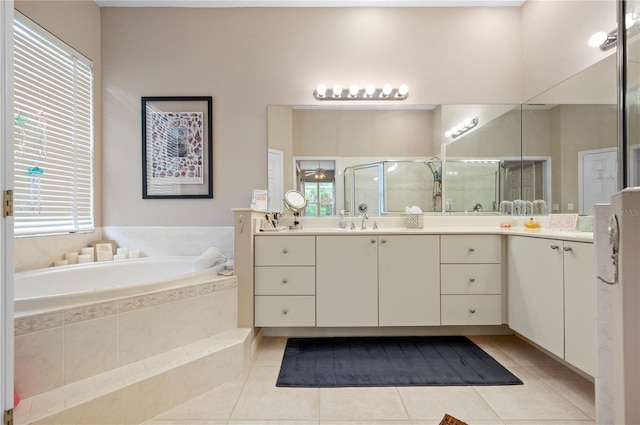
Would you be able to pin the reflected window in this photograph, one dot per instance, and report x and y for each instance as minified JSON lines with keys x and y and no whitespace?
{"x":320,"y":198}
{"x":316,"y":179}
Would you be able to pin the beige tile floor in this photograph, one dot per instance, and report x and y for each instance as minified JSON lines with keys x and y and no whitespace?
{"x":551,"y":394}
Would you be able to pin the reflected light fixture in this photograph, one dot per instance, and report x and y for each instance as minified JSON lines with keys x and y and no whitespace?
{"x":608,"y":40}
{"x":462,"y":127}
{"x":355,"y":92}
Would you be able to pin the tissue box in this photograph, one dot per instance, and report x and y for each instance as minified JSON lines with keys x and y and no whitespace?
{"x":415,"y":221}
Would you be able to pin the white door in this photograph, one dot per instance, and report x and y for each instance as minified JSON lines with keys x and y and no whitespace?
{"x":6,"y":228}
{"x":597,"y":177}
{"x":514,"y":183}
{"x":528,"y":181}
{"x":276,"y":184}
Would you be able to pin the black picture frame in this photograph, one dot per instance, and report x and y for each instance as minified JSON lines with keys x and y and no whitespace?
{"x":177,"y":147}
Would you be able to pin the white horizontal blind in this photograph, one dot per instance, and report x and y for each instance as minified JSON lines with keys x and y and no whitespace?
{"x":53,"y":142}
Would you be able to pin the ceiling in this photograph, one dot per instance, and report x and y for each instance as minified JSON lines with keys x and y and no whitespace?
{"x":309,"y":3}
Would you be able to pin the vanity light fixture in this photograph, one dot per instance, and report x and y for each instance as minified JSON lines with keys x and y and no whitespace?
{"x":355,"y":92}
{"x":608,"y":40}
{"x":462,"y":127}
{"x":604,"y":40}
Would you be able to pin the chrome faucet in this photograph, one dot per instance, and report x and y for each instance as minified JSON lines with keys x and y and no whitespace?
{"x":364,"y":223}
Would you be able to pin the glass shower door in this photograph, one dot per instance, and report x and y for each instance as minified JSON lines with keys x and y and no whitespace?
{"x":632,"y":112}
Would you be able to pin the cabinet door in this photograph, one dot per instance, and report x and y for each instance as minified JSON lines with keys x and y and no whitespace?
{"x":409,"y":280}
{"x":579,"y":305}
{"x":535,"y":291}
{"x":347,"y":281}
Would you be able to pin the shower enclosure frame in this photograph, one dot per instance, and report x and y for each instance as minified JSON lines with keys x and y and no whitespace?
{"x":349,"y":181}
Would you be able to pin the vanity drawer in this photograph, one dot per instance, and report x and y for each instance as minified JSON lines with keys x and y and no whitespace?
{"x":471,"y":278}
{"x":285,"y":250}
{"x":471,"y":309}
{"x":470,"y":249}
{"x":285,"y":311}
{"x":291,"y":280}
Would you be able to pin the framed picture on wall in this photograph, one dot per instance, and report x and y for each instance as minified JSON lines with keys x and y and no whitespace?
{"x":177,"y":159}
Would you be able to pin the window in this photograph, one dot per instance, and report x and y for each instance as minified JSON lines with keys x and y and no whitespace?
{"x":53,"y":134}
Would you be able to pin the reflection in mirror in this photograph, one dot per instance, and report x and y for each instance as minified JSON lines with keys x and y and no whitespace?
{"x":483,"y":166}
{"x":389,"y":158}
{"x":392,"y":186}
{"x":316,"y":179}
{"x":351,"y":138}
{"x":573,"y":126}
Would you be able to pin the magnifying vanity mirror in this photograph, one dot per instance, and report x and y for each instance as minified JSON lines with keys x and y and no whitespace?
{"x":296,"y":202}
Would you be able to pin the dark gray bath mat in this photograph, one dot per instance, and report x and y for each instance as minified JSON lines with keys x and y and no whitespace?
{"x":389,"y":361}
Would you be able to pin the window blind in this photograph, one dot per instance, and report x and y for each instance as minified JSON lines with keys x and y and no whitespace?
{"x":53,"y":134}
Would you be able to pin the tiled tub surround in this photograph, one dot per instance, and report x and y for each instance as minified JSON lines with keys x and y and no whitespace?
{"x":68,"y":356}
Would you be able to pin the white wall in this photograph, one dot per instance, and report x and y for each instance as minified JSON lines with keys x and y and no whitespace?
{"x":554,"y":40}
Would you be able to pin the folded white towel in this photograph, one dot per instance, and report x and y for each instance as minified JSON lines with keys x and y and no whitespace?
{"x":210,"y":258}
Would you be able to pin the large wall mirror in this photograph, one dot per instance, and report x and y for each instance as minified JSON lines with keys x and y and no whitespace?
{"x":391,"y":158}
{"x":572,"y":129}
{"x":558,"y":148}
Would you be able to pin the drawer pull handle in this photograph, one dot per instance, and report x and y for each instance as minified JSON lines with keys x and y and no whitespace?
{"x":554,"y":246}
{"x":285,"y":311}
{"x":383,"y":241}
{"x":472,"y":310}
{"x":373,"y":241}
{"x":472,"y":279}
{"x":472,"y":249}
{"x":567,"y":248}
{"x":285,"y":250}
{"x":285,"y":280}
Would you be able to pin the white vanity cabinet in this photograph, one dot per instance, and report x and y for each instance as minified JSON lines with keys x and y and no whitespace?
{"x":580,"y":306}
{"x":384,"y":280}
{"x":408,"y":280}
{"x":347,"y":280}
{"x":284,"y":281}
{"x":535,"y":292}
{"x":551,"y":296}
{"x":471,"y":279}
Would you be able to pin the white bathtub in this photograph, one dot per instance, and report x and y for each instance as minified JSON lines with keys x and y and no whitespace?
{"x":59,"y":287}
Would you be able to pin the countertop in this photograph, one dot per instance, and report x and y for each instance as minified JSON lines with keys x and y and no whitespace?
{"x":575,"y":236}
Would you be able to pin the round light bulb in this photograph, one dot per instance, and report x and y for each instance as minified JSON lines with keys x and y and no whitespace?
{"x":370,"y":90}
{"x":447,"y":133}
{"x":386,"y":90}
{"x":460,"y":126}
{"x":598,"y":39}
{"x":403,"y":90}
{"x":467,"y":122}
{"x":454,"y":129}
{"x":353,"y":90}
{"x":321,"y":90}
{"x":337,"y":90}
{"x":629,"y":20}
